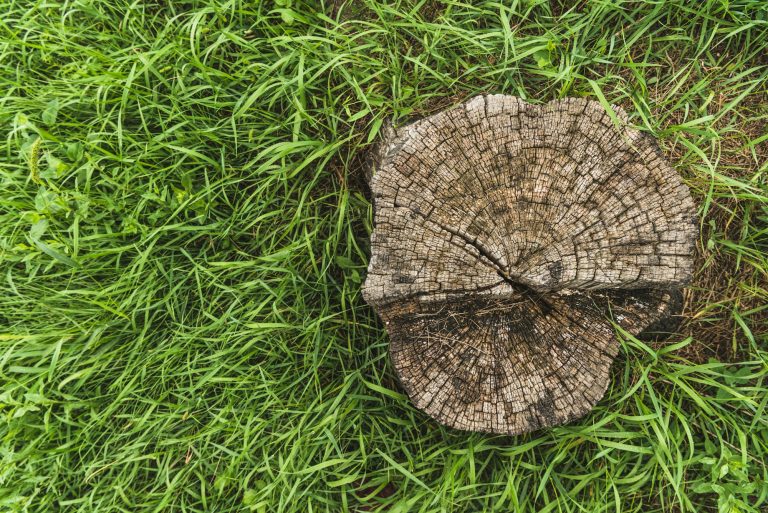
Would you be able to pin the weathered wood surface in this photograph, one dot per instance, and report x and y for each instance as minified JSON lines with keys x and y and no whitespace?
{"x":507,"y":236}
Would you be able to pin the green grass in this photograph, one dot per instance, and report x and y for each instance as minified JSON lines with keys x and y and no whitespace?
{"x":184,"y":230}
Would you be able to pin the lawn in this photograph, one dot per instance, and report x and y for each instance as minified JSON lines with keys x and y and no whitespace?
{"x":184,"y":229}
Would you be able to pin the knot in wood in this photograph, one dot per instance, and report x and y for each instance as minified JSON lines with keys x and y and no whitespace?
{"x":509,"y":238}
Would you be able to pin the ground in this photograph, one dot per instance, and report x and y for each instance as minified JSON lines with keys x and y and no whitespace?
{"x":184,"y":228}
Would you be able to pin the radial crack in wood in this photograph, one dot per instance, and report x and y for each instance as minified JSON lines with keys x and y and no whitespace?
{"x":507,"y":236}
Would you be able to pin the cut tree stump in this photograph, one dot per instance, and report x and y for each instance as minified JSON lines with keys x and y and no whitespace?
{"x":509,"y":239}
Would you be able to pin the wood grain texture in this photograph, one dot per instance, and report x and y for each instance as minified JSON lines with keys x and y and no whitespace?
{"x":507,"y":236}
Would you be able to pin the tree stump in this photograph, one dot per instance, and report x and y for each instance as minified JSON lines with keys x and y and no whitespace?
{"x":509,"y":238}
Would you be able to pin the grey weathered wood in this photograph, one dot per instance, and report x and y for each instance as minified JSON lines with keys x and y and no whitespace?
{"x":507,"y":235}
